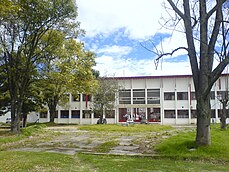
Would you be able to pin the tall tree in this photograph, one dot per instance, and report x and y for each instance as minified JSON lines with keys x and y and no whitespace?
{"x":22,"y":25}
{"x":105,"y":96}
{"x":68,"y":71}
{"x":206,"y":30}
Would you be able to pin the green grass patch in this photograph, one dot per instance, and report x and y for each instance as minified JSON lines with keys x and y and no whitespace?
{"x":183,"y":145}
{"x":106,"y":147}
{"x":130,"y":128}
{"x":39,"y":161}
{"x":8,"y":137}
{"x":28,"y":131}
{"x":112,"y":163}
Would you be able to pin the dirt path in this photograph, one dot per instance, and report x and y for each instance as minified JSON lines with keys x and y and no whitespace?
{"x":70,"y":140}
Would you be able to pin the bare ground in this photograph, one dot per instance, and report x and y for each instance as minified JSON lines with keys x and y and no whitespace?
{"x":70,"y":140}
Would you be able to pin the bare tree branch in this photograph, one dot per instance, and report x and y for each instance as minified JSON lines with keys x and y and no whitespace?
{"x":176,"y":9}
{"x":215,"y":32}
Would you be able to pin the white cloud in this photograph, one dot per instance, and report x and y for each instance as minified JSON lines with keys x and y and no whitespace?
{"x":139,"y":18}
{"x":115,"y":49}
{"x":113,"y":66}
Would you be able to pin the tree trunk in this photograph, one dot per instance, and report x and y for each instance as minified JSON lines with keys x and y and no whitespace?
{"x":52,"y":112}
{"x":15,"y":116}
{"x":223,"y":118}
{"x":203,"y":122}
{"x":24,"y":120}
{"x":52,"y":108}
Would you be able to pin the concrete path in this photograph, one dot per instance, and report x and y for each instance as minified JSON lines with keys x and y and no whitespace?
{"x":70,"y":140}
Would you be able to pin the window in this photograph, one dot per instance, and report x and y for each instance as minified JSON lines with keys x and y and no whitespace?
{"x":44,"y":113}
{"x":88,"y":97}
{"x":213,"y":113}
{"x":125,"y":96}
{"x":123,"y":114}
{"x":110,"y":114}
{"x":193,"y":114}
{"x":182,"y":95}
{"x":220,"y":111}
{"x":193,"y":96}
{"x":76,"y":98}
{"x":169,"y":96}
{"x":182,"y":114}
{"x":153,"y":96}
{"x":212,"y":94}
{"x":86,"y":114}
{"x":139,"y":96}
{"x":169,"y":114}
{"x":222,"y":95}
{"x":75,"y":114}
{"x":154,"y":114}
{"x":64,"y":114}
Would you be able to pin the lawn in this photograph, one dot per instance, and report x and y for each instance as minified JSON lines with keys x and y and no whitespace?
{"x":127,"y":129}
{"x":176,"y":153}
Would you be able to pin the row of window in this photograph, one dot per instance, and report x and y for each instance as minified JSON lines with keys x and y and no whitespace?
{"x":77,"y":98}
{"x":76,"y":114}
{"x":184,"y":95}
{"x":153,"y":96}
{"x":184,"y":113}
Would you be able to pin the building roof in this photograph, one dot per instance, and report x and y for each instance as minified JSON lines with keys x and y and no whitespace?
{"x":156,"y":77}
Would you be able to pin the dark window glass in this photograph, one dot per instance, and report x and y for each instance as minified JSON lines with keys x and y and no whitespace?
{"x":139,"y":96}
{"x":125,"y":97}
{"x":182,"y":95}
{"x":169,"y":114}
{"x":182,"y":114}
{"x":64,"y":114}
{"x":169,"y":96}
{"x":212,"y":94}
{"x":124,"y":113}
{"x":75,"y":114}
{"x":193,"y":114}
{"x":110,"y":114}
{"x":154,"y":114}
{"x":193,"y":96}
{"x":44,"y":114}
{"x":153,"y":96}
{"x":86,"y":114}
{"x":88,"y":97}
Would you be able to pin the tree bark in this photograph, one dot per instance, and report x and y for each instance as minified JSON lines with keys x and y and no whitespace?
{"x":203,"y":122}
{"x":223,"y":118}
{"x":52,"y":108}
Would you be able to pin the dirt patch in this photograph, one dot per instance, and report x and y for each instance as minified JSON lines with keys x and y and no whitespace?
{"x":70,"y":140}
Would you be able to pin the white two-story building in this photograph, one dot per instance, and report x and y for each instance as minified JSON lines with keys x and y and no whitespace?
{"x":156,"y":99}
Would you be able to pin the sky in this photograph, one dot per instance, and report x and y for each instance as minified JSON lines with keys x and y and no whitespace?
{"x":121,"y":33}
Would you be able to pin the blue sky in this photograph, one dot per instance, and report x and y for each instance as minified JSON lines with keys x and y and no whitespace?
{"x":118,"y":30}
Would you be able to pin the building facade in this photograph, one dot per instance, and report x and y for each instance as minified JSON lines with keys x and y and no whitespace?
{"x":155,"y":99}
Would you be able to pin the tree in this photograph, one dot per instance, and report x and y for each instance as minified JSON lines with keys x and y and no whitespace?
{"x":206,"y":31}
{"x":105,"y":97}
{"x":70,"y":71}
{"x":22,"y":25}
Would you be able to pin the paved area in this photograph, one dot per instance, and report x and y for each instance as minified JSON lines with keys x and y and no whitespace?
{"x":70,"y":140}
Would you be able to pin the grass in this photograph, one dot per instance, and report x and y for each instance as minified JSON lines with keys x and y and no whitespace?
{"x":183,"y":146}
{"x":131,"y":128}
{"x":9,"y":139}
{"x":40,"y":162}
{"x":176,"y":153}
{"x":112,"y":163}
{"x":106,"y":147}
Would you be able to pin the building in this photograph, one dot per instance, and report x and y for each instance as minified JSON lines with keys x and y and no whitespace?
{"x":155,"y":99}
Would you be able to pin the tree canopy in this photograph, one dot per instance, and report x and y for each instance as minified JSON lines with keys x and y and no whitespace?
{"x":23,"y":24}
